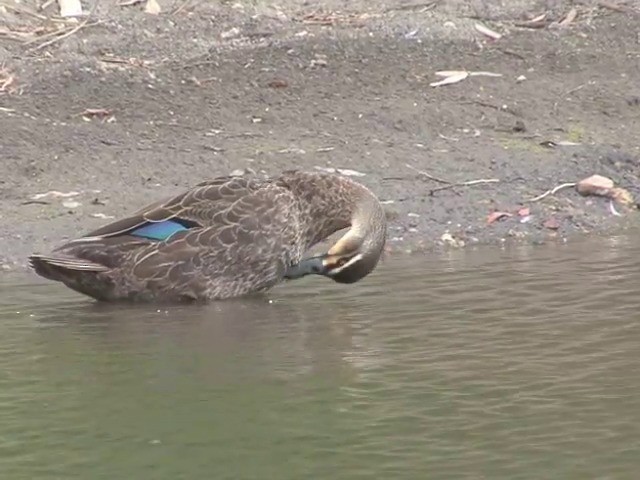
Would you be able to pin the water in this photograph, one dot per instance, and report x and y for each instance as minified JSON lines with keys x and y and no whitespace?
{"x":515,"y":364}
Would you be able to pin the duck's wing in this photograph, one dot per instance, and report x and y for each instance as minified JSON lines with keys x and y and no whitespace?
{"x":193,"y":208}
{"x":247,"y":247}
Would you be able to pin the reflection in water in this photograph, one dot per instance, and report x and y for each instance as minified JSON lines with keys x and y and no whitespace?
{"x":482,"y":364}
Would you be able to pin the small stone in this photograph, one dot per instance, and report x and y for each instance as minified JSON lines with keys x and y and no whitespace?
{"x":551,"y":223}
{"x":595,"y":185}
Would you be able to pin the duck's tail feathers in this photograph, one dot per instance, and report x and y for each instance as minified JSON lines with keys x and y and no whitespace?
{"x":58,"y":267}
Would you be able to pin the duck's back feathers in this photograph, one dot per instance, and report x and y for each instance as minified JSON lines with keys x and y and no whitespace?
{"x":222,"y":238}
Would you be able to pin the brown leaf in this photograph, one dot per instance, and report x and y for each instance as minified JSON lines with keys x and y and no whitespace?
{"x":595,"y":185}
{"x":278,"y":83}
{"x":524,"y":212}
{"x":571,"y":16}
{"x":622,"y":196}
{"x":551,"y":223}
{"x":495,"y":216}
{"x":96,"y":112}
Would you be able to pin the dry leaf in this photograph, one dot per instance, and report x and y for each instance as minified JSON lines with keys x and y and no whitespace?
{"x":54,"y":193}
{"x":524,"y":211}
{"x":96,"y":112}
{"x":70,"y":8}
{"x":595,"y":185}
{"x":485,"y":74}
{"x":621,"y":196}
{"x":551,"y":223}
{"x":152,"y":7}
{"x":538,"y":22}
{"x":495,"y":216}
{"x":278,"y":83}
{"x":458,"y":77}
{"x":571,"y":16}
{"x":488,"y":32}
{"x":70,"y":204}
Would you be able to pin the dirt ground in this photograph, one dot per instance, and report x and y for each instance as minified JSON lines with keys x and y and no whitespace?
{"x":208,"y":88}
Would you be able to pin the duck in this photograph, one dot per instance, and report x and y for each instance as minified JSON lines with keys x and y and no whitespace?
{"x":226,"y":237}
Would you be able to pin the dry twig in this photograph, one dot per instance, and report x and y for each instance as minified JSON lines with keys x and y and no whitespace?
{"x":553,"y":191}
{"x":465,"y":184}
{"x":448,"y":184}
{"x":425,"y":174}
{"x":64,"y":35}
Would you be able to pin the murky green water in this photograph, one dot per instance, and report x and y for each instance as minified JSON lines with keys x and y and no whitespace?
{"x":522,"y":363}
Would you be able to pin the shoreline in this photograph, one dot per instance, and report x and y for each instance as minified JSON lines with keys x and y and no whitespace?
{"x":141,"y":106}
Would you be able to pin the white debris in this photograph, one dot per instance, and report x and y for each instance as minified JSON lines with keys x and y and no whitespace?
{"x":342,"y":171}
{"x":70,"y":8}
{"x":70,"y":204}
{"x":55,"y":194}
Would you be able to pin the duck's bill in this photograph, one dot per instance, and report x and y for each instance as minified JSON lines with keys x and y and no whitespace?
{"x":307,"y":266}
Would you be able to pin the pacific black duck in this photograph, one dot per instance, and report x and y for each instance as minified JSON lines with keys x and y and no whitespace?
{"x":224,"y":238}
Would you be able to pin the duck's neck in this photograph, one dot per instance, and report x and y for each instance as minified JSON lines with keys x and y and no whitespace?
{"x":330,"y":203}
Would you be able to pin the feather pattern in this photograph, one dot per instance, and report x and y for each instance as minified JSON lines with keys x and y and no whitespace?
{"x":223,"y":238}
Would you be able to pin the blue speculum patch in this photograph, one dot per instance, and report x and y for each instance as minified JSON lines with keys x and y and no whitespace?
{"x":158,"y":230}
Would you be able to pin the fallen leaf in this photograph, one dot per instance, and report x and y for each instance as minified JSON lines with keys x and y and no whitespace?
{"x":54,"y":193}
{"x":450,"y":79}
{"x":152,"y":7}
{"x":595,"y":185}
{"x":231,"y":33}
{"x":551,"y":223}
{"x":536,"y":22}
{"x":571,"y":16}
{"x":488,"y":32}
{"x":524,"y":212}
{"x":495,"y":216}
{"x":621,"y":196}
{"x":96,"y":112}
{"x":350,"y":173}
{"x":485,"y":74}
{"x":70,"y":204}
{"x":342,"y":171}
{"x":70,"y":8}
{"x":278,"y":84}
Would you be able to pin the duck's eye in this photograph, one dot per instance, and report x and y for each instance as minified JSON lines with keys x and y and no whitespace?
{"x":340,"y":262}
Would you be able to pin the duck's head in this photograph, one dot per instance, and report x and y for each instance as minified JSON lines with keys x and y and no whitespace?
{"x":352,"y":258}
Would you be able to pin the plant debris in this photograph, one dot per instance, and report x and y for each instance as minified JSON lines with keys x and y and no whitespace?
{"x":551,"y":223}
{"x":152,"y":7}
{"x":342,"y":171}
{"x":455,"y":76}
{"x":553,"y":191}
{"x":70,"y":8}
{"x":101,"y":113}
{"x":488,"y":32}
{"x":497,"y":215}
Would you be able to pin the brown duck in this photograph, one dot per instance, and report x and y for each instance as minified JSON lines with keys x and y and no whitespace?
{"x":225,"y":238}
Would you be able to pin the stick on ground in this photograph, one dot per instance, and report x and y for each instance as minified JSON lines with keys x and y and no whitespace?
{"x":552,"y":191}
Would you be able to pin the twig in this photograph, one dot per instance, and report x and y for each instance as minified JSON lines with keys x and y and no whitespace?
{"x":465,"y":184}
{"x":425,"y":174}
{"x":46,"y":5}
{"x":24,"y":10}
{"x":553,"y":191}
{"x":181,"y":7}
{"x":614,"y":7}
{"x":65,"y":35}
{"x":423,"y":7}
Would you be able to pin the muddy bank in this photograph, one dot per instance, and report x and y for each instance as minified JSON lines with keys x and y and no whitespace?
{"x":216,"y":88}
